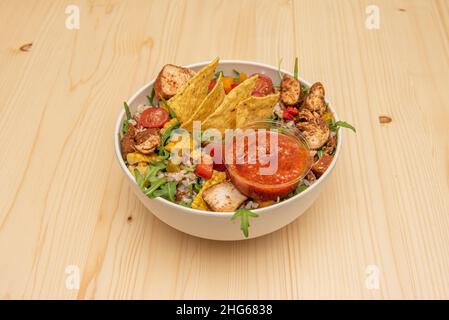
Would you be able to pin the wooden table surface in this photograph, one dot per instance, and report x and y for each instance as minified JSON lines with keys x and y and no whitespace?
{"x":65,"y":206}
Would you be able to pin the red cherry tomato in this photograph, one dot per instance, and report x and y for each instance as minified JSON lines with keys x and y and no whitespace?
{"x":293,"y":111}
{"x":212,"y":84}
{"x":154,"y":117}
{"x":287,"y":115}
{"x":204,"y":170}
{"x":263,"y":87}
{"x":216,"y":151}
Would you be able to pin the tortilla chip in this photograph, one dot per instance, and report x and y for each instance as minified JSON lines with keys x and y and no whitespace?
{"x":208,"y":106}
{"x":192,"y":93}
{"x":224,"y":117}
{"x":255,"y":109}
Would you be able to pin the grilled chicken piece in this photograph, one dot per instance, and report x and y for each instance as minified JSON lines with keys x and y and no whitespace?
{"x":291,"y":92}
{"x":310,"y":176}
{"x":331,"y":144}
{"x":314,"y":101}
{"x":147,"y":141}
{"x":314,"y":129}
{"x":319,"y":167}
{"x":317,"y":89}
{"x":127,"y":143}
{"x":223,"y":197}
{"x":170,"y":79}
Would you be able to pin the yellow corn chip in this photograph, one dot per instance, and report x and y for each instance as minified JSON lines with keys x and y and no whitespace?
{"x":208,"y":106}
{"x":224,"y":116}
{"x":192,"y":93}
{"x":255,"y":109}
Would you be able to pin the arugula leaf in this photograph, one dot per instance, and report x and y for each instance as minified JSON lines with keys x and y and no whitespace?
{"x":339,"y":124}
{"x":185,"y":204}
{"x":155,"y":184}
{"x":171,"y":190}
{"x":320,"y":153}
{"x":300,"y":188}
{"x":167,"y":191}
{"x":295,"y":72}
{"x":236,"y":73}
{"x":163,"y":154}
{"x":168,"y":132}
{"x":159,"y":187}
{"x":128,"y":113}
{"x":151,"y":97}
{"x":139,"y":179}
{"x":217,"y":74}
{"x":304,"y":89}
{"x":344,"y":124}
{"x":152,"y":170}
{"x":170,"y":110}
{"x":244,"y":215}
{"x":197,"y":186}
{"x":125,"y":126}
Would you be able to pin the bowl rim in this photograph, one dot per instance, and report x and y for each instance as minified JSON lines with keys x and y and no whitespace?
{"x":280,"y":204}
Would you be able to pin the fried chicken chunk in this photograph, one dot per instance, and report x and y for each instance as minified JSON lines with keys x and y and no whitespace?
{"x":291,"y":92}
{"x":170,"y":79}
{"x":147,"y":141}
{"x":127,"y":143}
{"x":314,"y":101}
{"x":319,"y":167}
{"x":223,"y":197}
{"x":314,"y":129}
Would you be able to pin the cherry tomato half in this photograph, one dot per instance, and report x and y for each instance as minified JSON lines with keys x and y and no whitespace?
{"x":293,"y":111}
{"x":204,"y":170}
{"x":216,"y":151}
{"x":212,"y":84}
{"x":263,"y":87}
{"x":287,"y":115}
{"x":154,"y":117}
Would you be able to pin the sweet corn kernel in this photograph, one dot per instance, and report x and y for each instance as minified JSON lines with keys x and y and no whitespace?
{"x":168,"y":124}
{"x":327,"y":116}
{"x":136,"y":157}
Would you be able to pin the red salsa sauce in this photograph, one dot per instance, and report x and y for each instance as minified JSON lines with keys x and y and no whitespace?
{"x":293,"y":162}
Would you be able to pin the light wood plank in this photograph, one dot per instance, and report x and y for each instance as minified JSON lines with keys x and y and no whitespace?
{"x":64,"y":201}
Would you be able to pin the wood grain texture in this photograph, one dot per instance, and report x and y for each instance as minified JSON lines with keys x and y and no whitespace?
{"x":64,"y":200}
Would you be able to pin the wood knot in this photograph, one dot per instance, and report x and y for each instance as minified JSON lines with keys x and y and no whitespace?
{"x":402,"y":10}
{"x":385,"y":119}
{"x":148,"y":42}
{"x":26,"y":47}
{"x":130,"y":219}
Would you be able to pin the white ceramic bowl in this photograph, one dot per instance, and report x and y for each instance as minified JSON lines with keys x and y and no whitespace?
{"x":216,"y":225}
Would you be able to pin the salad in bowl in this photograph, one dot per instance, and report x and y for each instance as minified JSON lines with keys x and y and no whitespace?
{"x":216,"y":147}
